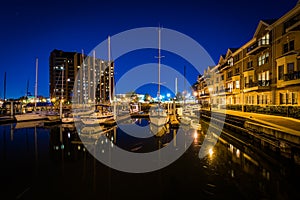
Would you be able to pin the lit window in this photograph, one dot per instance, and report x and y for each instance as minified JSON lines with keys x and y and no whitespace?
{"x":237,"y":84}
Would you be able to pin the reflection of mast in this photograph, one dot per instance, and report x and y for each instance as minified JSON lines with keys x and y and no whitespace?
{"x":61,"y":146}
{"x":35,"y":150}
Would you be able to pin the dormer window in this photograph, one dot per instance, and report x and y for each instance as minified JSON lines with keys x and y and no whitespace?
{"x":230,"y":62}
{"x":264,"y":40}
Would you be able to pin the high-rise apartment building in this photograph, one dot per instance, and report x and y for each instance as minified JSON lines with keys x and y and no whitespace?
{"x":80,"y":78}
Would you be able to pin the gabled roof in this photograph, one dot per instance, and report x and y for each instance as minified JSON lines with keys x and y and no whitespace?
{"x":269,"y":21}
{"x":286,"y":16}
{"x":260,"y":25}
{"x":230,"y":51}
{"x":222,"y":57}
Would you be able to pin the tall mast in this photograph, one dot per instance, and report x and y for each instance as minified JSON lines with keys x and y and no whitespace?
{"x":4,"y":85}
{"x":36,"y":81}
{"x":109,"y":70}
{"x":159,"y":57}
{"x":84,"y":81}
{"x":27,"y":88}
{"x":176,"y":86}
{"x":62,"y":91}
{"x":184,"y":84}
{"x":94,"y":76}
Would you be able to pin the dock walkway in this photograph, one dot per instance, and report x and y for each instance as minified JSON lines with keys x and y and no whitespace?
{"x":285,"y":124}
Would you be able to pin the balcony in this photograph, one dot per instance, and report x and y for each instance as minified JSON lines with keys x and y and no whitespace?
{"x":203,"y":95}
{"x":289,"y":79}
{"x":250,"y":85}
{"x":291,"y":76}
{"x":225,"y":91}
{"x":258,"y":46}
{"x":264,"y":84}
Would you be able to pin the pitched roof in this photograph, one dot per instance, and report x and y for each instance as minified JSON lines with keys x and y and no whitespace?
{"x":269,"y":21}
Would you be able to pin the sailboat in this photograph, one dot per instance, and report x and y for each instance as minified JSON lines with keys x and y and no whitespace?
{"x":158,"y":116}
{"x":102,"y":114}
{"x":35,"y":115}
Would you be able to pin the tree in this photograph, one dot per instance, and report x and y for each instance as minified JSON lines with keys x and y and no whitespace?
{"x":147,"y":97}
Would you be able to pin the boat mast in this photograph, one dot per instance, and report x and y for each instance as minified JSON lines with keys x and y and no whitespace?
{"x":84,"y":81}
{"x":36,"y":82}
{"x":159,"y":57}
{"x":62,"y":92}
{"x":4,"y":85}
{"x":94,"y":76}
{"x":109,"y":70}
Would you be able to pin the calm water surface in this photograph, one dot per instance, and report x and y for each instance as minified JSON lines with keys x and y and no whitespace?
{"x":39,"y":162}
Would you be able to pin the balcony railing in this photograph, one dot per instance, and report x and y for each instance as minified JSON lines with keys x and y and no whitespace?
{"x":258,"y":46}
{"x":251,"y":84}
{"x":264,"y":83}
{"x":292,"y":76}
{"x":204,"y":94}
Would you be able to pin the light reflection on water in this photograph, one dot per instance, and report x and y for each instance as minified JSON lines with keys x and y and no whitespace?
{"x":53,"y":161}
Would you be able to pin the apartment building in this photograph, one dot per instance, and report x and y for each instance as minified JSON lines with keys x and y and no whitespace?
{"x":264,"y":71}
{"x":87,"y":78}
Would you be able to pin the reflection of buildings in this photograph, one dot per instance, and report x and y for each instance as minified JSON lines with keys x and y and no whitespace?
{"x":65,"y":143}
{"x":264,"y":71}
{"x":91,"y":81}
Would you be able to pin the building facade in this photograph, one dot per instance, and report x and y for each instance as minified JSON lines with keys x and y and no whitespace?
{"x":264,"y":72}
{"x":80,"y":78}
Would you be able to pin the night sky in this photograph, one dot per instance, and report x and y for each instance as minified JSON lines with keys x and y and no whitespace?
{"x":32,"y":29}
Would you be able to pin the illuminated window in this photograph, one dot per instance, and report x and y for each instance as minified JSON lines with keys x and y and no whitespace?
{"x":263,"y":59}
{"x":237,"y":84}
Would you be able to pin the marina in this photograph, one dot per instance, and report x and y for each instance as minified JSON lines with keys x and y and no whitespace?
{"x":90,"y":109}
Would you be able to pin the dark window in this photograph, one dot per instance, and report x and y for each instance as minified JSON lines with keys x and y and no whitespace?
{"x":280,"y":72}
{"x":251,"y":79}
{"x":294,"y":98}
{"x":237,"y":70}
{"x":249,"y":65}
{"x":291,"y":44}
{"x":222,"y":77}
{"x":290,"y":68}
{"x":229,"y":74}
{"x":285,"y":48}
{"x":282,"y":98}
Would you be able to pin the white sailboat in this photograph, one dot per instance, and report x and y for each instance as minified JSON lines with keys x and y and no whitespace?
{"x":97,"y":118}
{"x":101,"y":116}
{"x":35,"y":115}
{"x":158,"y":116}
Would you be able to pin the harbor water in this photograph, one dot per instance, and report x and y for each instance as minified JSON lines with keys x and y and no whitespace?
{"x":50,"y":162}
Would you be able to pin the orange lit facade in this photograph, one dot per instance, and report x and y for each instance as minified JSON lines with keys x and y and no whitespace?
{"x":264,"y":71}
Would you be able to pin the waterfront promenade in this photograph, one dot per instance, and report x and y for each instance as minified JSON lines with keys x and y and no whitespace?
{"x":285,"y":124}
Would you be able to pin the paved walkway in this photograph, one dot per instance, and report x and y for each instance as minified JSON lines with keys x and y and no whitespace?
{"x":285,"y":124}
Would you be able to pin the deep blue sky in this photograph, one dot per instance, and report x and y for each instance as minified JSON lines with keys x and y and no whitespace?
{"x":31,"y":29}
